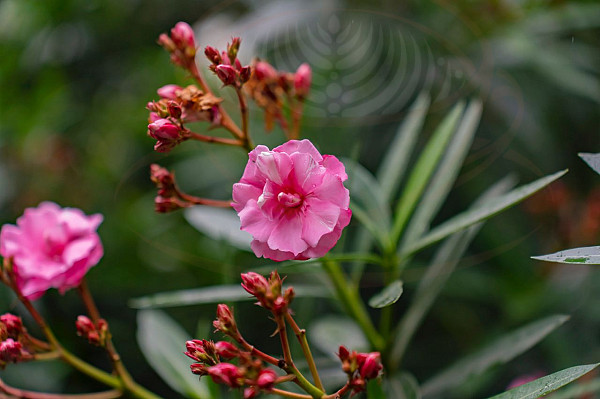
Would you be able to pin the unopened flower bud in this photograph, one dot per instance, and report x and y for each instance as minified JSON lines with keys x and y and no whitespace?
{"x":225,"y":321}
{"x":213,"y":55}
{"x":370,"y":364}
{"x":183,"y":35}
{"x":169,"y":91}
{"x":14,"y":325}
{"x":233,"y":48}
{"x":250,"y":392}
{"x":255,"y":284}
{"x":245,"y":73}
{"x":302,"y":80}
{"x":227,"y":374}
{"x":226,"y":350}
{"x":166,"y":42}
{"x":263,"y":70}
{"x":10,"y":351}
{"x":226,"y":73}
{"x":266,"y":379}
{"x":84,"y":325}
{"x":166,"y":204}
{"x":163,"y":129}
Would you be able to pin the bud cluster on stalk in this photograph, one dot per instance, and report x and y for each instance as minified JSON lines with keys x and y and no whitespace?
{"x":14,"y":341}
{"x":227,"y":66}
{"x":268,"y":292}
{"x":360,"y":367}
{"x":96,"y":334}
{"x":180,"y":44}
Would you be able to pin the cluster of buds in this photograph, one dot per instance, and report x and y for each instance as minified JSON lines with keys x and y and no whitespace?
{"x":227,"y":66}
{"x":360,"y":367}
{"x":179,"y":105}
{"x":180,"y":44}
{"x":14,"y":340}
{"x":96,"y":334}
{"x":270,"y":89}
{"x":268,"y":292}
{"x":215,"y":360}
{"x":169,"y":197}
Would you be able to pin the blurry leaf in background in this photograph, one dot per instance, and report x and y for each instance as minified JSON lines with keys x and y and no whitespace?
{"x":591,"y":159}
{"x":500,"y":351}
{"x":581,"y":256}
{"x":219,"y":224}
{"x":163,"y":342}
{"x":547,"y":384}
{"x":388,"y":296}
{"x":329,"y":332}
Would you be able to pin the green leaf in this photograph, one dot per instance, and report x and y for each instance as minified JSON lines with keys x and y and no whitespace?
{"x":583,"y":256}
{"x":423,"y":169}
{"x":579,"y":390}
{"x":547,"y":384}
{"x":328,"y":333}
{"x":444,"y":262}
{"x":367,"y":200}
{"x":500,"y":351}
{"x":591,"y":159}
{"x":485,"y":211}
{"x":219,"y":224}
{"x":388,"y":296}
{"x":393,"y":165}
{"x":214,"y":294}
{"x":163,"y":342}
{"x":445,"y":175}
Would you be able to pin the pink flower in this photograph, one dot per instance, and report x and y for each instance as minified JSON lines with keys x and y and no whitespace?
{"x":292,"y":200}
{"x":51,"y":247}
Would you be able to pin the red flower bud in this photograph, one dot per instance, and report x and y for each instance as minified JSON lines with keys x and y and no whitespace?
{"x":266,"y":379}
{"x":264,"y":70}
{"x":226,"y":73}
{"x":245,"y":73}
{"x":213,"y":55}
{"x":10,"y":351}
{"x":370,"y":364}
{"x":199,"y":369}
{"x":255,"y":284}
{"x":233,"y":48}
{"x":14,"y":325}
{"x":169,"y":91}
{"x":166,"y":42}
{"x":302,"y":80}
{"x":250,"y":392}
{"x":163,"y":129}
{"x":183,"y":35}
{"x":227,"y":374}
{"x":226,"y":350}
{"x":84,"y":325}
{"x":174,"y":109}
{"x":225,"y":321}
{"x":166,"y":204}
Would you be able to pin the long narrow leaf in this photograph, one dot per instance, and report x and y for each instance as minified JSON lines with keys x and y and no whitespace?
{"x":445,"y":176}
{"x":593,"y":160}
{"x":581,"y":256}
{"x":423,"y":169}
{"x":547,"y":384}
{"x":483,"y":212}
{"x":214,"y":294}
{"x":393,"y":165}
{"x":163,"y":342}
{"x":443,"y":264}
{"x":501,"y":351}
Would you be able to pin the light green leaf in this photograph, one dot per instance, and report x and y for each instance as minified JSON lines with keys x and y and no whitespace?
{"x":393,"y":165}
{"x":219,"y":224}
{"x":591,"y":159}
{"x":582,"y":256}
{"x":388,"y":296}
{"x":579,"y":390}
{"x":163,"y":342}
{"x":547,"y":384}
{"x":330,"y":332}
{"x":421,"y":173}
{"x":444,"y":262}
{"x":485,"y":211}
{"x":214,"y":294}
{"x":500,"y":351}
{"x":445,"y":175}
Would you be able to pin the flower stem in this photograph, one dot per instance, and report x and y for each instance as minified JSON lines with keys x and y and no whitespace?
{"x":205,"y":201}
{"x":214,"y":139}
{"x":128,"y":383}
{"x":301,"y":335}
{"x":244,"y":111}
{"x":258,"y":353}
{"x":353,"y":304}
{"x":287,"y":394}
{"x":23,"y":394}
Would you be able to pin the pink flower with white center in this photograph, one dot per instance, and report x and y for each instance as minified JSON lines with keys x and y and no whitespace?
{"x":51,"y":247}
{"x":293,"y":201}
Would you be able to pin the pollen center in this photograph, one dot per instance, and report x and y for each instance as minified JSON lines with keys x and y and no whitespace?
{"x":289,"y":200}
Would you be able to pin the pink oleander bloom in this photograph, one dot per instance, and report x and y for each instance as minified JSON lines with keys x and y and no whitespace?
{"x":293,"y":201}
{"x":51,"y":247}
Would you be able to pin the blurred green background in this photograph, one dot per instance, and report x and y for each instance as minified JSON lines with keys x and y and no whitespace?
{"x":75,"y":77}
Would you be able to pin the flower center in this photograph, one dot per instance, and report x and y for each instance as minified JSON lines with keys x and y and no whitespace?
{"x":289,"y":200}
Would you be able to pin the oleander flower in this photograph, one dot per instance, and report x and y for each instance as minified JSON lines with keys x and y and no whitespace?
{"x":292,"y":200}
{"x":51,"y":247}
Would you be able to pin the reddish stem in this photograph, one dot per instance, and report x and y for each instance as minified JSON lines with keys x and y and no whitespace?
{"x":213,"y":139}
{"x":205,"y":201}
{"x":23,"y":394}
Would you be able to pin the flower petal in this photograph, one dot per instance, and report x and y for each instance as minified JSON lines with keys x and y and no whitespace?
{"x":320,"y":217}
{"x":274,"y":166}
{"x":303,"y":146}
{"x":287,"y":235}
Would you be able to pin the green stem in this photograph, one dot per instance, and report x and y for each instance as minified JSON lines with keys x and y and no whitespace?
{"x":287,"y":394}
{"x":353,"y":304}
{"x":301,"y":336}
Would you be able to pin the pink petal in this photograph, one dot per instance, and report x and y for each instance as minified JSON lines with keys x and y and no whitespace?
{"x":242,"y":193}
{"x":320,"y":217}
{"x":274,"y":166}
{"x":332,"y":189}
{"x":329,"y":240}
{"x":78,"y":250}
{"x":307,"y":173}
{"x":10,"y":240}
{"x":303,"y":146}
{"x":334,"y":166}
{"x":254,"y":221}
{"x":262,"y":249}
{"x":77,"y":222}
{"x":287,"y":235}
